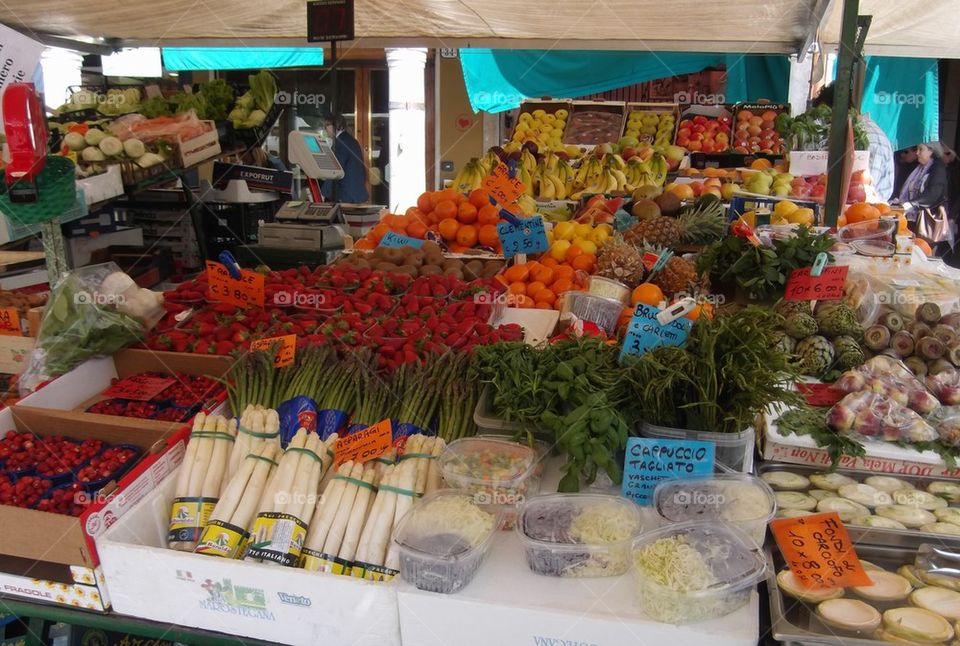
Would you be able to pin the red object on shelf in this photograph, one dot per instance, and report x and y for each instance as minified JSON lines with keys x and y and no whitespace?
{"x":25,"y":126}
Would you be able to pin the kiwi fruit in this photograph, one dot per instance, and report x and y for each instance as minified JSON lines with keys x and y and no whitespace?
{"x":430,"y":270}
{"x":473,"y":270}
{"x":415,"y":257}
{"x":385,"y":266}
{"x":430,"y":247}
{"x":645,"y":209}
{"x":453,"y":271}
{"x":669,"y":203}
{"x":409,"y":270}
{"x":453,"y":262}
{"x":361,"y":263}
{"x":381,"y":253}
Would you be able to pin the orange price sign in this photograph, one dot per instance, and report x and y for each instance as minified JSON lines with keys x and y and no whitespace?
{"x":245,"y":291}
{"x":503,"y":188}
{"x":363,"y":446}
{"x":285,"y":352}
{"x":10,"y":322}
{"x":819,"y":551}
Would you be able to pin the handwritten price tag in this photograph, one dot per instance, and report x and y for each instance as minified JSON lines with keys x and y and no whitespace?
{"x":395,"y":240}
{"x":286,"y":350}
{"x":531,"y":237}
{"x":141,"y":388}
{"x":645,"y":332}
{"x":819,"y":551}
{"x":363,"y":446}
{"x":10,"y":322}
{"x":820,"y":394}
{"x":246,"y":291}
{"x":501,"y":187}
{"x":828,"y":286}
{"x":649,"y":461}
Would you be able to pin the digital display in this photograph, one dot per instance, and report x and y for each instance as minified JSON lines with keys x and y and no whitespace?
{"x":313,"y":145}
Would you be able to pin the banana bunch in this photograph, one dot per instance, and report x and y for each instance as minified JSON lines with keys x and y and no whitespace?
{"x":649,"y":172}
{"x":553,"y":178}
{"x":488,"y":162}
{"x":600,"y":175}
{"x":527,"y":205}
{"x":470,"y":176}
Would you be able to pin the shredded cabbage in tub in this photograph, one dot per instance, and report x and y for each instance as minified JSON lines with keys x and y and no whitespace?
{"x":451,"y":514}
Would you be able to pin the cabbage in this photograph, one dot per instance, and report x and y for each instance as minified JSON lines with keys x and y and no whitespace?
{"x":92,"y":154}
{"x":245,"y":102}
{"x":111,"y":146}
{"x":94,"y":136}
{"x":256,"y":118}
{"x":134,"y":148}
{"x":75,"y":141}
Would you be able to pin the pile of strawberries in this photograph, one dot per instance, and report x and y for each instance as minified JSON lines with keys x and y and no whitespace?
{"x":176,"y":403}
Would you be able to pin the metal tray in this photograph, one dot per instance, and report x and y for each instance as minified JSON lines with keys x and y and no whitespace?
{"x":794,"y":621}
{"x":902,"y":538}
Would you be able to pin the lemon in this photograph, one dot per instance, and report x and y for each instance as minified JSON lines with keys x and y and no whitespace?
{"x":586,"y":245}
{"x":558,"y":250}
{"x":599,"y":236}
{"x":801,"y":216}
{"x":564,"y":231}
{"x":561,"y":114}
{"x":582,"y":230}
{"x":784,"y":208}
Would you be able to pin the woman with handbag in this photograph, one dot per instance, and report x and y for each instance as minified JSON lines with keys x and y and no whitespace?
{"x":924,"y":196}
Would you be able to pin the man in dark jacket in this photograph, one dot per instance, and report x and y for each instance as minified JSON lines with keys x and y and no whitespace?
{"x":353,"y":187}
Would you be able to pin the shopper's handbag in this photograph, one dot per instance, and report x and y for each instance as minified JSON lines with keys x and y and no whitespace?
{"x":933,"y":225}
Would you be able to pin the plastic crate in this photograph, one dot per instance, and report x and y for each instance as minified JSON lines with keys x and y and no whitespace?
{"x":740,"y":204}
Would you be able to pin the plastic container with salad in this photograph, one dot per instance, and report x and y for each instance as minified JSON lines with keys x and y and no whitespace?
{"x":499,"y":474}
{"x":578,"y":535}
{"x":444,"y":540}
{"x":695,"y":571}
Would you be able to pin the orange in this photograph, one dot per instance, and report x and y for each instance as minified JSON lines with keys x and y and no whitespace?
{"x":517,"y":273}
{"x":424,"y":202}
{"x":376,"y":234}
{"x":416,"y":229}
{"x":534,"y":286}
{"x":924,"y":246}
{"x":572,"y":253}
{"x":544,"y":305}
{"x":488,"y":214}
{"x":761,"y":163}
{"x":542,"y":295}
{"x":841,"y":221}
{"x":467,"y":235}
{"x":585,"y":262}
{"x":400,"y":222}
{"x":446,"y":210}
{"x":883,"y":207}
{"x":457,"y":248}
{"x":448,"y":229}
{"x":525,"y":302}
{"x":648,"y":294}
{"x":562,"y":285}
{"x":446,"y":195}
{"x":625,"y":315}
{"x":902,"y":228}
{"x":563,"y":271}
{"x":467,"y":213}
{"x":415,"y":214}
{"x":364,"y":243}
{"x":543,"y":274}
{"x":460,"y":199}
{"x":479,"y":198}
{"x":517,"y":288}
{"x":487,"y":235}
{"x":549,"y":261}
{"x":706,"y":309}
{"x":862,"y":211}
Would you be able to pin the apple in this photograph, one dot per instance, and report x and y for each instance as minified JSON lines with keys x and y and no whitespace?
{"x":694,"y":145}
{"x":754,"y":131}
{"x":628,"y":153}
{"x":683,"y":132}
{"x":742,"y":150}
{"x":707,"y":146}
{"x":683,"y":140}
{"x":744,"y":115}
{"x":699,"y":119}
{"x":856,"y":193}
{"x":818,"y":192}
{"x":699,"y":128}
{"x":713,"y":191}
{"x":697,"y":188}
{"x":755,"y":121}
{"x":722,"y":138}
{"x":742,"y":126}
{"x":686,"y":123}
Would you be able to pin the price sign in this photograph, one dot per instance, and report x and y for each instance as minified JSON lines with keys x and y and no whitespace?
{"x":329,"y":20}
{"x":501,"y":187}
{"x":819,"y":551}
{"x":10,"y":322}
{"x":528,"y":237}
{"x":365,"y":445}
{"x":286,"y":350}
{"x":245,"y":291}
{"x":649,"y":461}
{"x":820,"y":394}
{"x":139,"y":388}
{"x":645,"y":332}
{"x":828,"y":286}
{"x":395,"y":240}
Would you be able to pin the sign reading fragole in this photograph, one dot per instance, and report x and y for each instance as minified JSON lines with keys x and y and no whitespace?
{"x":501,"y":187}
{"x":828,"y":286}
{"x":648,"y":461}
{"x":329,"y":20}
{"x":363,"y":446}
{"x":245,"y":291}
{"x":286,"y":352}
{"x":20,"y":56}
{"x":819,"y":552}
{"x":141,"y":387}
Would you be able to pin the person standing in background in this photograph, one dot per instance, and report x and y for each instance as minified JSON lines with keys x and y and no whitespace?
{"x":926,"y":187}
{"x":353,"y":187}
{"x":906,"y":162}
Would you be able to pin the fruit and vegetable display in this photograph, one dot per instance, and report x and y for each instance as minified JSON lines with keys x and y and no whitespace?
{"x":650,"y":128}
{"x":811,"y":129}
{"x":754,"y":130}
{"x":699,"y":133}
{"x":177,"y":402}
{"x":542,"y":128}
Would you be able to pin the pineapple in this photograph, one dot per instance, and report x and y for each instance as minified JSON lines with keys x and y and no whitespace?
{"x":679,"y":275}
{"x":702,"y":223}
{"x":661,"y":231}
{"x":621,"y":261}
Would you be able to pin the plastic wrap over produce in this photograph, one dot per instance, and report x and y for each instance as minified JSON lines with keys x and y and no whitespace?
{"x":872,"y":287}
{"x":92,"y":311}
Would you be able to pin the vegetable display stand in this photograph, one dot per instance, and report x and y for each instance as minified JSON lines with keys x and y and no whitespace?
{"x":488,"y":422}
{"x":733,"y":450}
{"x":261,"y":601}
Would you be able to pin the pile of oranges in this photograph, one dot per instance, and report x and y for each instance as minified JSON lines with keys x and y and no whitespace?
{"x":539,"y":284}
{"x":652,"y":295}
{"x":464,"y":222}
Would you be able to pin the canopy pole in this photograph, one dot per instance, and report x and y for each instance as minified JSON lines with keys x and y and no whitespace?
{"x":841,"y":108}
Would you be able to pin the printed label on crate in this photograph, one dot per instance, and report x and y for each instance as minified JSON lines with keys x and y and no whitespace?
{"x":140,"y":387}
{"x":828,"y":286}
{"x":395,"y":240}
{"x":245,"y":291}
{"x":648,"y":461}
{"x":365,"y":445}
{"x":819,"y":551}
{"x":221,"y":539}
{"x":318,"y":562}
{"x":372,"y":572}
{"x":528,"y":237}
{"x":10,"y":322}
{"x":645,"y":332}
{"x":187,"y":518}
{"x":501,"y":187}
{"x":285,"y":352}
{"x":277,"y":537}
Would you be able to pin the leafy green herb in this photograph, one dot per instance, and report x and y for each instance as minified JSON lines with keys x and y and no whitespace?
{"x":805,"y":419}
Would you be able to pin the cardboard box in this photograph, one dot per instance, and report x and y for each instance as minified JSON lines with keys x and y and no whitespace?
{"x":814,"y":162}
{"x":67,"y":396}
{"x":547,"y":105}
{"x":193,"y":151}
{"x":617,"y":110}
{"x":14,"y":352}
{"x":508,"y":604}
{"x":285,"y":605}
{"x":672,"y":108}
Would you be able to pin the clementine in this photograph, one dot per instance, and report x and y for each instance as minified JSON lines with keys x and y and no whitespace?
{"x":467,"y":235}
{"x":467,"y":213}
{"x":424,"y":202}
{"x":585,"y":262}
{"x":479,"y":198}
{"x":648,"y":294}
{"x":487,"y":235}
{"x":543,"y":274}
{"x":446,"y":210}
{"x":488,"y":214}
{"x":448,"y":229}
{"x":517,"y":273}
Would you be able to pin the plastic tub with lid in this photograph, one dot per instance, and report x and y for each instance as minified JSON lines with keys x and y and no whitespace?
{"x":498,"y":473}
{"x":443,"y":540}
{"x":739,"y":499}
{"x":695,"y":571}
{"x":578,"y":535}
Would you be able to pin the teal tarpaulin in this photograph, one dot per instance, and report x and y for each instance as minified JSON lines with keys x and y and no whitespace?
{"x":239,"y":58}
{"x":498,"y":80}
{"x":902,"y":96}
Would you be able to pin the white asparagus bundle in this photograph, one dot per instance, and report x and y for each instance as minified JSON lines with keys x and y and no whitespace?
{"x":257,"y":425}
{"x":423,"y":463}
{"x":327,"y":509}
{"x":434,"y":475}
{"x":338,"y":527}
{"x":358,"y":515}
{"x":385,"y":460}
{"x":304,"y":492}
{"x":383,"y":507}
{"x":407,"y":482}
{"x":327,"y":454}
{"x":201,"y":473}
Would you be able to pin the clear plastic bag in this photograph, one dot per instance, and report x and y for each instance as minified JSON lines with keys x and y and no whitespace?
{"x":870,"y":414}
{"x":92,"y":311}
{"x":947,"y":422}
{"x":946,"y":386}
{"x":889,"y":377}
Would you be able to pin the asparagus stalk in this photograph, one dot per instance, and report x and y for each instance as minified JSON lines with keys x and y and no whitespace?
{"x":358,"y":515}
